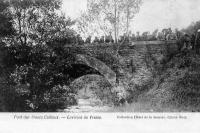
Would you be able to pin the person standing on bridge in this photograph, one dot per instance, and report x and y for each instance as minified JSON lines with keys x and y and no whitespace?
{"x":88,"y":40}
{"x":184,"y":42}
{"x":96,"y":40}
{"x":102,"y":39}
{"x":193,"y":41}
{"x":187,"y":41}
{"x":79,"y":40}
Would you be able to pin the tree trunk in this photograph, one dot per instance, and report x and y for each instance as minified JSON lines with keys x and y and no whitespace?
{"x":127,"y":21}
{"x":115,"y":23}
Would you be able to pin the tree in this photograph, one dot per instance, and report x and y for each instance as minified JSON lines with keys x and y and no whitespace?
{"x":108,"y":11}
{"x":6,"y":30}
{"x":110,"y":14}
{"x":36,"y":21}
{"x":192,"y":28}
{"x":131,"y":7}
{"x":92,"y":25}
{"x":6,"y":24}
{"x":37,"y":79}
{"x":35,"y":61}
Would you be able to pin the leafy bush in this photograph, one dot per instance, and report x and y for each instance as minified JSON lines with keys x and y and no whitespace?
{"x":33,"y":61}
{"x":187,"y":92}
{"x":192,"y":28}
{"x":34,"y":72}
{"x":178,"y":84}
{"x":119,"y":95}
{"x":58,"y":98}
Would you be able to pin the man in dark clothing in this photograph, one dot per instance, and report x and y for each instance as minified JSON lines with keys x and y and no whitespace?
{"x":184,"y":42}
{"x":178,"y":34}
{"x":96,"y":40}
{"x":180,"y":43}
{"x":88,"y":40}
{"x":109,"y":39}
{"x":187,"y":41}
{"x":193,"y":41}
{"x":102,"y":39}
{"x":79,"y":40}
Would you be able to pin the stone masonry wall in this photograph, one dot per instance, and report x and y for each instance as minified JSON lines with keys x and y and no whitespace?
{"x":135,"y":52}
{"x":131,"y":58}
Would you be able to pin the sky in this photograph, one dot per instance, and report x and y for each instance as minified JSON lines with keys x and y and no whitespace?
{"x":154,"y":14}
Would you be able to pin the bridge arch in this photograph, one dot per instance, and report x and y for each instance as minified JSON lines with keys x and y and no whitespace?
{"x":99,"y":66}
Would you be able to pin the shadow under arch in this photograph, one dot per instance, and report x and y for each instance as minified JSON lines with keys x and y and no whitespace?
{"x":79,"y":69}
{"x":85,"y":62}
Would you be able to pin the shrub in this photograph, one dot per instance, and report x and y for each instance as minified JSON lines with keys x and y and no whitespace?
{"x":120,"y":95}
{"x":59,"y":97}
{"x":180,"y":83}
{"x":32,"y":73}
{"x":187,"y":92}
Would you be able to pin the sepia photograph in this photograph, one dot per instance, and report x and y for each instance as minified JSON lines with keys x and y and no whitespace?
{"x":100,"y":56}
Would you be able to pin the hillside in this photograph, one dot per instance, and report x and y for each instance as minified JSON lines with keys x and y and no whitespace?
{"x":176,"y":88}
{"x":179,"y":84}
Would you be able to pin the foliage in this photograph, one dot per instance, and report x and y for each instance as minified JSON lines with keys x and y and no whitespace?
{"x":108,"y":15}
{"x":186,"y":92}
{"x":37,"y":21}
{"x":6,"y":24}
{"x":58,"y":98}
{"x":134,"y":91}
{"x":87,"y":26}
{"x":6,"y":31}
{"x":35,"y":71}
{"x":131,"y":7}
{"x":192,"y":28}
{"x":177,"y":85}
{"x":119,"y":95}
{"x":33,"y":60}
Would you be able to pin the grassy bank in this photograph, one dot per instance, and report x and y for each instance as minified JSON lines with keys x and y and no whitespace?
{"x":175,"y":88}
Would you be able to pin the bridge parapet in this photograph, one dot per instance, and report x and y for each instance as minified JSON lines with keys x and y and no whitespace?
{"x":171,"y":42}
{"x":130,"y":49}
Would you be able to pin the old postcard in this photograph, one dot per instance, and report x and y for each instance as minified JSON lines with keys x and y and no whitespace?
{"x":100,"y":62}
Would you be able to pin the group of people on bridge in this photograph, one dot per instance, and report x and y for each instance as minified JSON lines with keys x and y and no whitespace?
{"x":165,"y":34}
{"x":185,"y":41}
{"x":97,"y":40}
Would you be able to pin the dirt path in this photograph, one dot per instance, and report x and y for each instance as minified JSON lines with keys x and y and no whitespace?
{"x":87,"y":105}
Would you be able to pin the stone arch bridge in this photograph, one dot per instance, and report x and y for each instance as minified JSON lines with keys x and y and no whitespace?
{"x":115,"y":61}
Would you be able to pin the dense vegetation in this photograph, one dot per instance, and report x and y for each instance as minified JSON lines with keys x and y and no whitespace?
{"x":177,"y":82}
{"x":172,"y":84}
{"x":33,"y":60}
